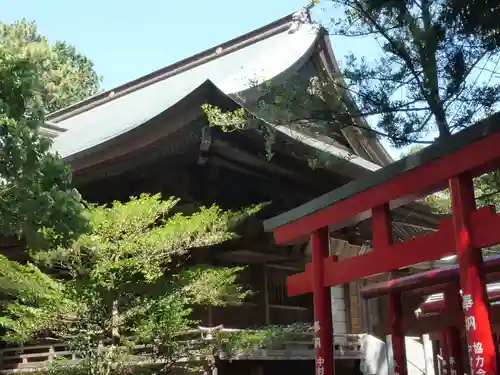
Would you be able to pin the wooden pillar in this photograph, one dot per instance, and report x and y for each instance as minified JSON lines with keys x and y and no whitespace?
{"x":443,"y":343}
{"x":354,"y":314}
{"x":210,"y":316}
{"x":397,"y":333}
{"x":436,"y":355}
{"x":267,"y":314}
{"x":428,"y":354}
{"x":323,"y":322}
{"x":382,"y":238}
{"x":452,"y":307}
{"x":483,"y":354}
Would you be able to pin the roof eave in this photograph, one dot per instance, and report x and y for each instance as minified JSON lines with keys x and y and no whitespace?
{"x":373,"y":147}
{"x":160,"y":74}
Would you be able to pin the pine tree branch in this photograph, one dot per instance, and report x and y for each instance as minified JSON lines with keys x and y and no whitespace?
{"x":403,"y":53}
{"x":356,"y":35}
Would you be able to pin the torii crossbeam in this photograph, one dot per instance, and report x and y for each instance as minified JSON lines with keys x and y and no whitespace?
{"x":448,"y":163}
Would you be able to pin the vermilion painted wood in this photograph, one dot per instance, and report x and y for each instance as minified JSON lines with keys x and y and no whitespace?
{"x":452,"y":307}
{"x":472,"y":278}
{"x":444,"y":349}
{"x":471,"y":158}
{"x":485,"y":231}
{"x":398,"y":334}
{"x":381,"y":227}
{"x":425,"y":291}
{"x":382,"y":239}
{"x":428,"y":282}
{"x":323,"y":321}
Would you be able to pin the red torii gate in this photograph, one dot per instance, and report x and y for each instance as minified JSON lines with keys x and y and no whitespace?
{"x":444,"y":279}
{"x":452,"y":162}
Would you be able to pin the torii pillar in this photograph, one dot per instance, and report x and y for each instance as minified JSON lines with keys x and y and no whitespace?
{"x":481,"y":343}
{"x":323,"y":322}
{"x":452,"y":306}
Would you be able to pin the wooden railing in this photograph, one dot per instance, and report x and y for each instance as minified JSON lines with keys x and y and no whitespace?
{"x":38,"y":356}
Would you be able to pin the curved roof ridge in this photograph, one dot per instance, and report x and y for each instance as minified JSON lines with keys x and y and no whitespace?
{"x":170,"y":70}
{"x":271,"y":57}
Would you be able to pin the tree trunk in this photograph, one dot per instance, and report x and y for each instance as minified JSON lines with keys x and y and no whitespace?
{"x":115,"y":316}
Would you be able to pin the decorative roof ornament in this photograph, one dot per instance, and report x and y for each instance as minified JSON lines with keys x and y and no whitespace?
{"x":302,"y":16}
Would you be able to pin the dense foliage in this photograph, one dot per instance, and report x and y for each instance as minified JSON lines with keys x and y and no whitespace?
{"x":64,"y":75}
{"x":37,"y":201}
{"x":422,"y":83}
{"x":476,"y":18}
{"x":129,"y":275}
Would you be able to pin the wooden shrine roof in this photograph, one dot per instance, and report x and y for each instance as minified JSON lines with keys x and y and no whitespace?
{"x":148,"y":112}
{"x":274,"y":52}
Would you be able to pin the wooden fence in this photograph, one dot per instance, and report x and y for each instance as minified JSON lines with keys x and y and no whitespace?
{"x":39,"y":355}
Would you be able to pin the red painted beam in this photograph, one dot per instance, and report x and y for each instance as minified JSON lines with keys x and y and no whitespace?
{"x":419,"y":283}
{"x":438,"y":305}
{"x":471,"y":158}
{"x":426,"y":279}
{"x":485,"y":228}
{"x":398,"y":333}
{"x":438,"y":288}
{"x":453,"y":305}
{"x":428,"y":290}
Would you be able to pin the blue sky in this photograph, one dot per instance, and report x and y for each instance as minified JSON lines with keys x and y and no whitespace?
{"x":127,"y":39}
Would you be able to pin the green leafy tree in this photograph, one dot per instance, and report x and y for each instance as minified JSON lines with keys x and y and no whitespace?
{"x":422,"y":83}
{"x":34,"y":299}
{"x":37,"y":201}
{"x":64,"y":75}
{"x":130,"y":275}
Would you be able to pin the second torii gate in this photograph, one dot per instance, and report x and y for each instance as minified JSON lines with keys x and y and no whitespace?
{"x":452,"y":162}
{"x":445,"y":280}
